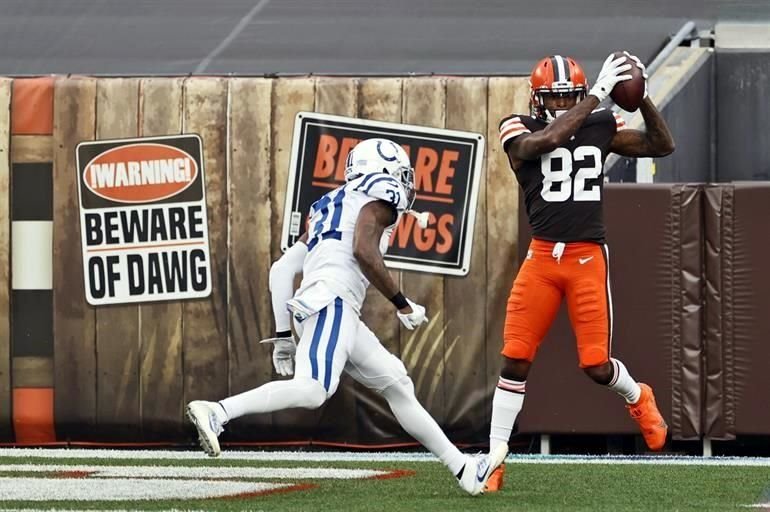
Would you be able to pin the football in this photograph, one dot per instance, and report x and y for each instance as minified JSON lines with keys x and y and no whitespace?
{"x":629,"y":94}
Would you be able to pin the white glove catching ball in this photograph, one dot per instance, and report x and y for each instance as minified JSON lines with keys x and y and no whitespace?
{"x":610,"y":75}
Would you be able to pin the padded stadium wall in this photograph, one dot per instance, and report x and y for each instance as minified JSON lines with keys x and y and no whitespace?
{"x":123,"y":373}
{"x":683,"y":258}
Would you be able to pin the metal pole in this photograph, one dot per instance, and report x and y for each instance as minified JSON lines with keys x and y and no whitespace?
{"x":545,"y":444}
{"x":707,"y":452}
{"x":683,"y":33}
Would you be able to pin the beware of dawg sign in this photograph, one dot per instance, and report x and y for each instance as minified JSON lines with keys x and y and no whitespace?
{"x":447,"y":166}
{"x":143,"y":223}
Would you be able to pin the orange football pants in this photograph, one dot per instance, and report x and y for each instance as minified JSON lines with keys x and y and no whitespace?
{"x":581,"y":274}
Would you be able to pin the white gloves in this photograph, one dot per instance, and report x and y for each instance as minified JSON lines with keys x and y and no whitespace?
{"x":609,"y":76}
{"x":640,"y":66}
{"x":412,"y":320}
{"x":283,"y":354}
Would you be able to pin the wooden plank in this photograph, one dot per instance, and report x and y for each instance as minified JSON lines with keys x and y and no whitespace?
{"x":74,"y":322}
{"x":507,"y":95}
{"x":204,"y":325}
{"x":465,"y":339}
{"x":160,"y":380}
{"x":290,"y":95}
{"x":32,"y":372}
{"x":380,"y":99}
{"x":6,"y":430}
{"x":117,"y":326}
{"x":31,"y":148}
{"x":339,"y":96}
{"x":424,"y":103}
{"x":249,"y":307}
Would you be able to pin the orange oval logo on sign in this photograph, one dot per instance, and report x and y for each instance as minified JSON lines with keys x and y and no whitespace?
{"x":141,"y":172}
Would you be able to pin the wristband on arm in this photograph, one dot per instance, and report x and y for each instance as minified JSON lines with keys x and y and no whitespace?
{"x":399,"y":301}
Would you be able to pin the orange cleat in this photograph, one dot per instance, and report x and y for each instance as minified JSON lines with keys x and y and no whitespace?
{"x":495,"y":482}
{"x":647,"y":415}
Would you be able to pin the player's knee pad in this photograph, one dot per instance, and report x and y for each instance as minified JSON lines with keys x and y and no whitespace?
{"x":312,"y":393}
{"x":401,"y":388}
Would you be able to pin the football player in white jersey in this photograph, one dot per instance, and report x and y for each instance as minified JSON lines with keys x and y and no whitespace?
{"x":339,"y":255}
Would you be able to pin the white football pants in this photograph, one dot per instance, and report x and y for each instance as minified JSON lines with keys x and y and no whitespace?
{"x":336,"y":339}
{"x":333,"y":340}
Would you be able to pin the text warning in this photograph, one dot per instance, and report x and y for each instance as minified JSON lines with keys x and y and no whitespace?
{"x":143,"y":223}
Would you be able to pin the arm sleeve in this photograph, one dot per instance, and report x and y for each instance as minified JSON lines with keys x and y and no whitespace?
{"x":620,"y":123}
{"x":510,"y":128}
{"x":281,"y":283}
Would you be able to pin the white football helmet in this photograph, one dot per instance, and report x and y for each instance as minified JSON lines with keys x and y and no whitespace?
{"x":381,"y":155}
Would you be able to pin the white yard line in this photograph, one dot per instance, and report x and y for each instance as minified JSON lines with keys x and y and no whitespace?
{"x":660,"y":460}
{"x":227,"y":455}
{"x":198,"y":472}
{"x":47,"y":489}
{"x":309,"y":456}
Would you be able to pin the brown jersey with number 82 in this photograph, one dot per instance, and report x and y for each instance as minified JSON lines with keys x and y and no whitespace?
{"x":563,"y":189}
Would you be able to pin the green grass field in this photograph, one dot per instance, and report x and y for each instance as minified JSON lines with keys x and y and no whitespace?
{"x":415,"y":486}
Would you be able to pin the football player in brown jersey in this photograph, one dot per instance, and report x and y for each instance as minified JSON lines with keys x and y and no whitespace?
{"x":557,"y":154}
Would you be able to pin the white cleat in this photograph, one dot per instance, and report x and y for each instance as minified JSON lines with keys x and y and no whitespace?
{"x":478,"y":469}
{"x":203,"y":416}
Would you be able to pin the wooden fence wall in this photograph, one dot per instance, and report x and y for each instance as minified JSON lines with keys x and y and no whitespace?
{"x":687,"y":259}
{"x":124,"y":373}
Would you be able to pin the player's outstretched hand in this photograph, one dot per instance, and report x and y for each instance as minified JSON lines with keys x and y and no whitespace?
{"x":641,"y":67}
{"x":611,"y":73}
{"x":283,"y":354}
{"x":412,"y":320}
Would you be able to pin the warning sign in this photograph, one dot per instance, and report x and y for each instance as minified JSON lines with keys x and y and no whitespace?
{"x":143,"y":223}
{"x":447,"y":166}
